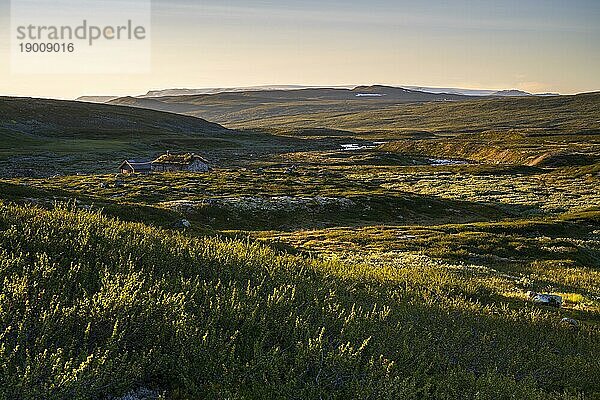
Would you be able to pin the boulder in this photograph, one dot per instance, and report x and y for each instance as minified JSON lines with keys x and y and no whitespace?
{"x":141,"y":394}
{"x":546,"y":299}
{"x":183,"y":224}
{"x":291,"y":170}
{"x":573,"y":323}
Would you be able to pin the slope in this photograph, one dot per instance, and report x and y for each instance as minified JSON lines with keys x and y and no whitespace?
{"x":45,"y":137}
{"x":92,"y":307}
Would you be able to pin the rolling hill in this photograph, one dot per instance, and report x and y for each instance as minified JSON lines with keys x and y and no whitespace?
{"x":45,"y":137}
{"x":531,"y":115}
{"x":316,"y":106}
{"x":58,"y":118}
{"x":87,"y":137}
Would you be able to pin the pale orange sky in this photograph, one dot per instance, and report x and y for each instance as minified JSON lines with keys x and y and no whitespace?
{"x":531,"y":45}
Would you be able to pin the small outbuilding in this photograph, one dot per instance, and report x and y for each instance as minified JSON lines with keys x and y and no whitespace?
{"x":135,"y":167}
{"x":171,"y":162}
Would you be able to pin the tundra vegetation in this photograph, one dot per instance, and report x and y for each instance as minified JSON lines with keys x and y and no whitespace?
{"x":397,"y":267}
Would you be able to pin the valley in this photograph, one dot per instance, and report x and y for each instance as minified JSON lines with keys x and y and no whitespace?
{"x":342,"y":246}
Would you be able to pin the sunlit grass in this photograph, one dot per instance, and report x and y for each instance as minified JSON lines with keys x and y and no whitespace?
{"x":91,"y":306}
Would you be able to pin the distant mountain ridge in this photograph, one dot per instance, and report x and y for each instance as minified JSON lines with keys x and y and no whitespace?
{"x":270,"y":88}
{"x":96,"y":99}
{"x":511,"y":92}
{"x":236,"y":107}
{"x":186,"y":92}
{"x":425,"y":89}
{"x":233,"y":109}
{"x":387,"y":92}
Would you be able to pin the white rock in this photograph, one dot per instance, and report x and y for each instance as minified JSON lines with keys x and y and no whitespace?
{"x":141,"y":394}
{"x":546,"y":299}
{"x":570,"y":322}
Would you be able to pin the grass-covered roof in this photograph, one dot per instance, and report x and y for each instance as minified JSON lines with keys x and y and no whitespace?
{"x":182,"y":158}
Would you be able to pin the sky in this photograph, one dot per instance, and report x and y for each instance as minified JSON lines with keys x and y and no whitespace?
{"x":532,"y":45}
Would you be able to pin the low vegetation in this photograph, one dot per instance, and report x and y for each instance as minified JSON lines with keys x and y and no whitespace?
{"x":376,"y":253}
{"x":92,"y":306}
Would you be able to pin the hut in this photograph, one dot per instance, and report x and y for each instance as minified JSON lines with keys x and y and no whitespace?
{"x":171,"y":162}
{"x":135,"y":167}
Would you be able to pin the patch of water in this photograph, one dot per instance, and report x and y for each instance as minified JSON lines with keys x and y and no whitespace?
{"x":357,"y":146}
{"x":370,"y":95}
{"x":436,"y":162}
